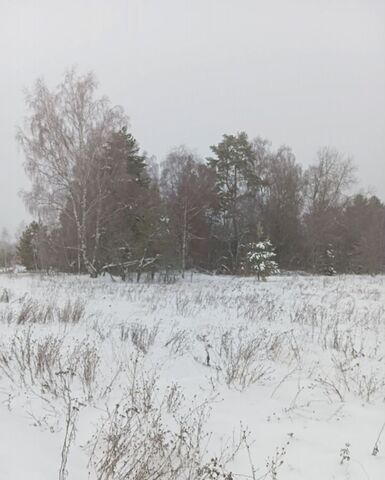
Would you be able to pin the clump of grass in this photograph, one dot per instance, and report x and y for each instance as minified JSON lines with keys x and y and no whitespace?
{"x":73,"y":311}
{"x":4,"y":295}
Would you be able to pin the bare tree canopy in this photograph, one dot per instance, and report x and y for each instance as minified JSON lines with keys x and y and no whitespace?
{"x":63,"y":138}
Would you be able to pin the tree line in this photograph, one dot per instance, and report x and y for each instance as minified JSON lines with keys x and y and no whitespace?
{"x":101,"y":204}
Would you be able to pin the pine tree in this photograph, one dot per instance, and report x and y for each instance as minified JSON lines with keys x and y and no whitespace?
{"x":234,"y":166}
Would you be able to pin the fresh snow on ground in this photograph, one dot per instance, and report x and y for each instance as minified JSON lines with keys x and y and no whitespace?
{"x":293,"y":363}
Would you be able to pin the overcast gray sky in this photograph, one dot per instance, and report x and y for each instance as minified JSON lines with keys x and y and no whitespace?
{"x":305,"y":73}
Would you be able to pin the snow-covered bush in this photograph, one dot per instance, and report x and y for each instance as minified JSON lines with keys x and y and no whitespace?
{"x":260,"y":260}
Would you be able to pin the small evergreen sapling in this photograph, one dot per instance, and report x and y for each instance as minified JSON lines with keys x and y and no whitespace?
{"x":328,"y":261}
{"x":27,"y":248}
{"x":260,"y":259}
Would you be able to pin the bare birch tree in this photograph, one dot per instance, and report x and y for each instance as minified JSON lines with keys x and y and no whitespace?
{"x":327,"y":184}
{"x":62,"y":138}
{"x":187,"y":186}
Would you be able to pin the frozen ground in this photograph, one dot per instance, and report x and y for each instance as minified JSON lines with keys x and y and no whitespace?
{"x":283,"y":379}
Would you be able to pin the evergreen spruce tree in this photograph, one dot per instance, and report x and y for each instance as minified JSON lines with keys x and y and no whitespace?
{"x":27,"y":248}
{"x":123,"y":145}
{"x":260,"y":260}
{"x":328,"y":261}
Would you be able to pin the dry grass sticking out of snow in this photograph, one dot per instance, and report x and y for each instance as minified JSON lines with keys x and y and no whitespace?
{"x":209,"y":378}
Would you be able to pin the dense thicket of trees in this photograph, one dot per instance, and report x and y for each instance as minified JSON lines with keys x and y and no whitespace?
{"x":102,"y":206}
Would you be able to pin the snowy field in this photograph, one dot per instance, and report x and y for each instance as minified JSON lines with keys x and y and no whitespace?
{"x":209,"y":378}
